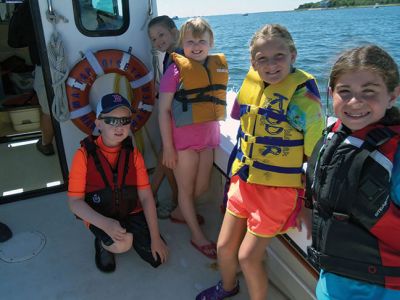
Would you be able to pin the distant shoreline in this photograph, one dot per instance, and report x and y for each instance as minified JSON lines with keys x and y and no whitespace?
{"x":288,"y":11}
{"x":343,"y":7}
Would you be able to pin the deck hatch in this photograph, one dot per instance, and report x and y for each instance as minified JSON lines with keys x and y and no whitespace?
{"x":22,"y":246}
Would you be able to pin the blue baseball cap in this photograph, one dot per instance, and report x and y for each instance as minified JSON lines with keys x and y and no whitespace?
{"x":110,"y":102}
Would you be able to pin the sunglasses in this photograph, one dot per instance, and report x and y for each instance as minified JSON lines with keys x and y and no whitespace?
{"x":114,"y":121}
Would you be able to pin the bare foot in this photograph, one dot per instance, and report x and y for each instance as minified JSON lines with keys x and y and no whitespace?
{"x":177,"y":214}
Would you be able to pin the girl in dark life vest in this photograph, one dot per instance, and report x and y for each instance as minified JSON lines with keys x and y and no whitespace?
{"x":354,"y":175}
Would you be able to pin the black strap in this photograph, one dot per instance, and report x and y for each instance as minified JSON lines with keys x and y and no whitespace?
{"x":203,"y":98}
{"x":126,"y":166}
{"x":182,"y":95}
{"x":91,"y":149}
{"x":211,"y":88}
{"x":377,"y":137}
{"x":127,"y":148}
{"x":231,"y":159}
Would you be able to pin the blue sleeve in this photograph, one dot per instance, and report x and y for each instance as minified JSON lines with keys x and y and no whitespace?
{"x":395,"y":186}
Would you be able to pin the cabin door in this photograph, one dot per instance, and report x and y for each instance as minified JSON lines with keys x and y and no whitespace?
{"x":64,"y":31}
{"x":25,"y":170}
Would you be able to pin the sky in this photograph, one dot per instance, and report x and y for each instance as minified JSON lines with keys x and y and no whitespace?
{"x":189,"y":8}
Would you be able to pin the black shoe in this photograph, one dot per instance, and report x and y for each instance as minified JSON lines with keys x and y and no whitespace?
{"x":45,"y":149}
{"x":105,"y":260}
{"x":5,"y":233}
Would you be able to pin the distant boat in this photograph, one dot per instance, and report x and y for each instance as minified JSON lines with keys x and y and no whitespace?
{"x":245,"y":14}
{"x":175,"y":18}
{"x":376,"y":5}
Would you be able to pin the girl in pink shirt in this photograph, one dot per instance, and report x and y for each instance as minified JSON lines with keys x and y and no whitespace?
{"x":188,"y":149}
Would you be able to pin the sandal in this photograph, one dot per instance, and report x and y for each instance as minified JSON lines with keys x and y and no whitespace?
{"x":209,"y":250}
{"x":164,"y":210}
{"x":200,"y":219}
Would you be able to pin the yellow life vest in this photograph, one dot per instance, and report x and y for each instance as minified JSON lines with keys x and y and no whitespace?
{"x":270,"y":150}
{"x":201,"y":96}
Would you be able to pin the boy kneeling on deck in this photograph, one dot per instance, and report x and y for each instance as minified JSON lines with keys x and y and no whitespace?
{"x":109,"y":189}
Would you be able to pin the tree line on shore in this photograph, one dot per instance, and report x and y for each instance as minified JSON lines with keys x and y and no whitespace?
{"x":344,"y":3}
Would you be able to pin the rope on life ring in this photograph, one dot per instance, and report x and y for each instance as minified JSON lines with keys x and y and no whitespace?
{"x":84,"y":74}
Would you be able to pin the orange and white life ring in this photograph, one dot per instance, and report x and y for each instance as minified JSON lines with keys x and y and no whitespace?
{"x":93,"y":65}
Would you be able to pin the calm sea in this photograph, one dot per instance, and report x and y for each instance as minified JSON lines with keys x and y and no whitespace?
{"x":319,"y":36}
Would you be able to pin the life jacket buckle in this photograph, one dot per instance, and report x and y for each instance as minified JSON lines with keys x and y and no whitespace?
{"x":248,"y":138}
{"x":340,"y":217}
{"x":313,"y":255}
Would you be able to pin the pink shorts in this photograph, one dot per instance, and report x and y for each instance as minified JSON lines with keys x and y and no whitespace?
{"x":269,"y":210}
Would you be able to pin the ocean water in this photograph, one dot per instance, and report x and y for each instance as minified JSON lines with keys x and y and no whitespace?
{"x":320,"y":36}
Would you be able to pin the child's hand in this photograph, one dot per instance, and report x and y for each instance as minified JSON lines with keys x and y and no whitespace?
{"x":304,"y":216}
{"x":170,"y":157}
{"x":158,"y":247}
{"x":114,"y":230}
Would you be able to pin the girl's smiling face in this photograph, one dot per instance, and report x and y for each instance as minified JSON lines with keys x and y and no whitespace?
{"x":162,"y":38}
{"x":272,"y":59}
{"x":361,"y":98}
{"x":196,"y":48}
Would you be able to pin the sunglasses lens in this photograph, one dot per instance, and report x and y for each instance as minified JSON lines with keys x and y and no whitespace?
{"x":113,"y":121}
{"x":125,"y":121}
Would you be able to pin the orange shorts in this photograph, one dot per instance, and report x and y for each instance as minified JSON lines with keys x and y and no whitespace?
{"x":269,"y":210}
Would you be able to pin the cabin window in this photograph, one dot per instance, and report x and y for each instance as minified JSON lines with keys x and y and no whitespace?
{"x":101,"y":17}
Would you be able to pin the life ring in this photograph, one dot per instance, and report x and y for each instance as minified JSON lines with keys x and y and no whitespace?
{"x":93,"y":65}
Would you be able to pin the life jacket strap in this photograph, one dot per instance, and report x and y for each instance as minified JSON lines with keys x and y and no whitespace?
{"x":91,"y":149}
{"x":183,"y":93}
{"x":373,"y":140}
{"x":265,"y":112}
{"x":270,"y":140}
{"x":200,"y":95}
{"x":265,"y":167}
{"x":378,"y":137}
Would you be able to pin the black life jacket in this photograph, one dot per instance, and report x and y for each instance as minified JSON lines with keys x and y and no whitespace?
{"x":354,"y":218}
{"x":111,"y":192}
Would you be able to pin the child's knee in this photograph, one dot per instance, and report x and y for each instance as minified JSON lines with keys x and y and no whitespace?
{"x":248,"y":259}
{"x":244,"y":260}
{"x":121,"y":246}
{"x":201,"y":189}
{"x":224,"y":250}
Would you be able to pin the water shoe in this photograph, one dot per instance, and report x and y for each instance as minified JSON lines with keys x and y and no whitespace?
{"x":217,"y":292}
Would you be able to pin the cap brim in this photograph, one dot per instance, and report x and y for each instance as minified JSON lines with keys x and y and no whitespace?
{"x":106,"y":111}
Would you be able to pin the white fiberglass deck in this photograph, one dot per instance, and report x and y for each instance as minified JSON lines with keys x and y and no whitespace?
{"x":65,"y":267}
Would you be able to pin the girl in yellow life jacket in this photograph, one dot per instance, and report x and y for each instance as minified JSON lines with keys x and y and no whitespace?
{"x":280,"y":123}
{"x":192,"y":100}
